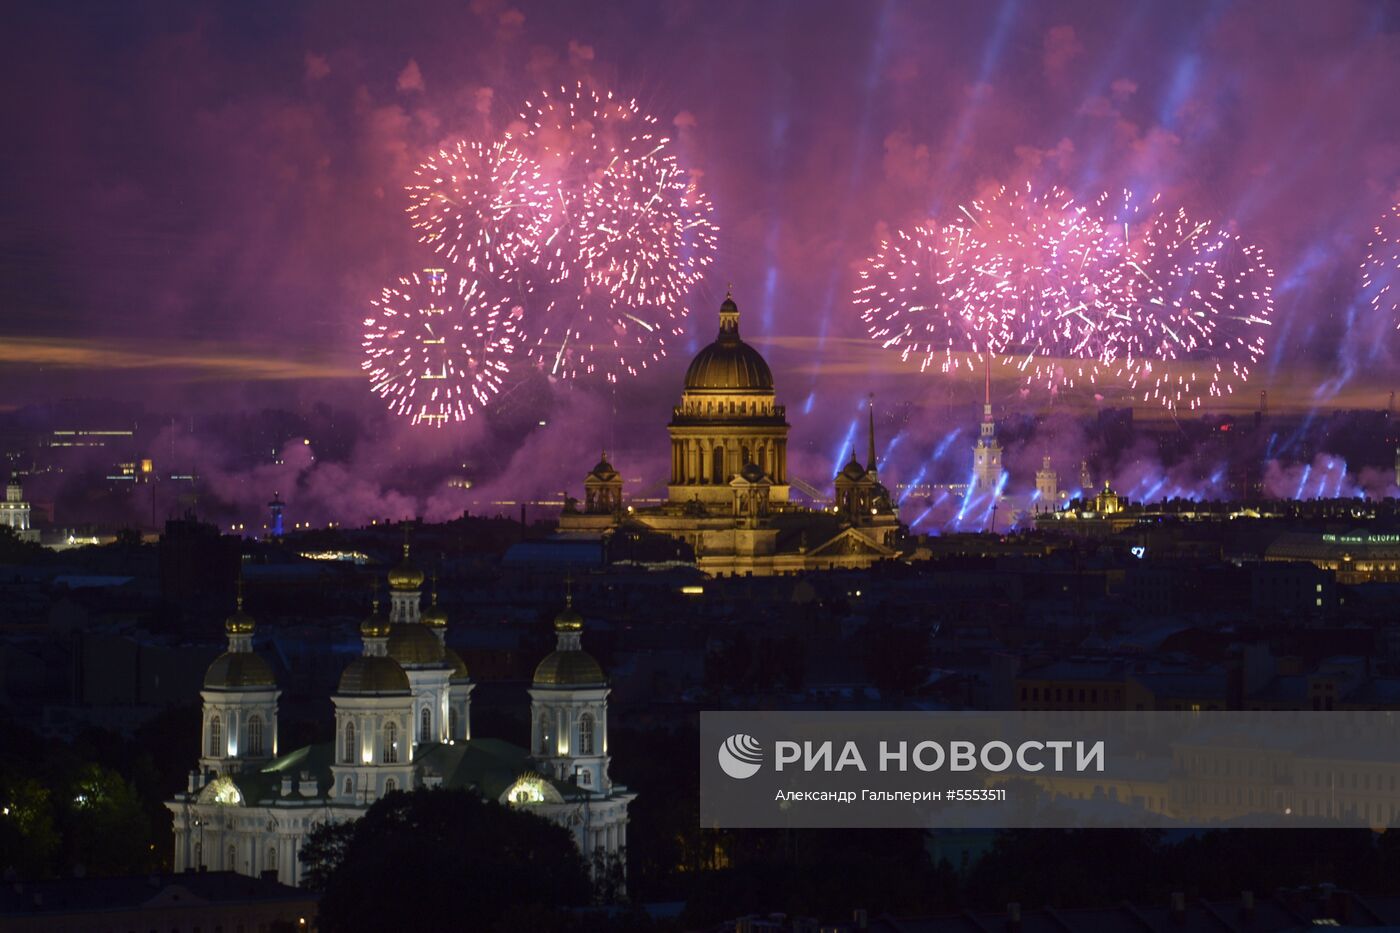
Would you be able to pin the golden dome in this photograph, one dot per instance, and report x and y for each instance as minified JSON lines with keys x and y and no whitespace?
{"x":240,"y":623}
{"x":373,"y":675}
{"x":236,"y":669}
{"x":376,"y":626}
{"x":413,"y":643}
{"x":729,"y":364}
{"x":569,"y":668}
{"x":459,"y":667}
{"x":405,"y":576}
{"x":434,"y":617}
{"x":568,"y":620}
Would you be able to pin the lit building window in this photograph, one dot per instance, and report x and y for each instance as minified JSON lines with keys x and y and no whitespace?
{"x":391,"y":743}
{"x":585,"y":734}
{"x":255,"y":735}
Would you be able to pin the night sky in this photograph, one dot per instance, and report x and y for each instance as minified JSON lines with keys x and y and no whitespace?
{"x":197,"y":200}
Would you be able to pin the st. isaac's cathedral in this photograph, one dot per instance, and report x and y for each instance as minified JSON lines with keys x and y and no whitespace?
{"x":402,"y":721}
{"x":727,"y":494}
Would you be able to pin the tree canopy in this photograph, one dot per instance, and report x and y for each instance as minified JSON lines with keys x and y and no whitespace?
{"x":441,"y":860}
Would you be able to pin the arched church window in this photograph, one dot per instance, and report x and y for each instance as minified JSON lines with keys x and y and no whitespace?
{"x":391,"y":743}
{"x":585,"y":734}
{"x":425,"y":725}
{"x":390,"y":786}
{"x":255,"y":735}
{"x":544,"y":734}
{"x":746,"y":455}
{"x":271,"y":858}
{"x":452,"y":724}
{"x":216,"y":737}
{"x":718,"y":474}
{"x":232,"y":864}
{"x":349,"y":786}
{"x":585,"y":777}
{"x":349,"y":755}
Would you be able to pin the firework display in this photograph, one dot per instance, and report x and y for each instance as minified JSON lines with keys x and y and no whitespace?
{"x":1125,"y":293}
{"x":1195,"y":307}
{"x":479,"y":205}
{"x":1379,"y":270}
{"x":912,"y":297}
{"x":626,"y":236}
{"x":1041,"y":274}
{"x":437,"y":347}
{"x":582,"y":219}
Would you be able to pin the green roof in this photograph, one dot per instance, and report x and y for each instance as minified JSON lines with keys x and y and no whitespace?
{"x":490,"y":766}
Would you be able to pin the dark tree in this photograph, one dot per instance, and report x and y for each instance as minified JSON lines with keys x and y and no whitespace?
{"x":443,"y":860}
{"x":324,"y":852}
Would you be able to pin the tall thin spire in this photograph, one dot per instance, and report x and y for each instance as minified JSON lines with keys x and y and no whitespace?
{"x":987,"y":396}
{"x":870,"y":464}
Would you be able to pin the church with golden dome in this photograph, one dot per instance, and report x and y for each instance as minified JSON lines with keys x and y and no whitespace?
{"x":727,"y":495}
{"x":402,"y":712}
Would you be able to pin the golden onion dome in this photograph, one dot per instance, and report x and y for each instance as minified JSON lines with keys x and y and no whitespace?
{"x":414,"y":644}
{"x":729,"y":364}
{"x":376,"y":626}
{"x":375,"y":674}
{"x":434,"y":617}
{"x":569,"y":669}
{"x":240,"y":623}
{"x":459,"y":667}
{"x":238,"y":669}
{"x":568,"y":619}
{"x":405,"y":577}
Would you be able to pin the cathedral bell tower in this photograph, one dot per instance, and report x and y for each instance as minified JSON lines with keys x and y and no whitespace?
{"x":569,"y":710}
{"x":240,"y":702}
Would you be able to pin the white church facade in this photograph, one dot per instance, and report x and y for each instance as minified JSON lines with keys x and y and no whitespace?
{"x":402,"y":721}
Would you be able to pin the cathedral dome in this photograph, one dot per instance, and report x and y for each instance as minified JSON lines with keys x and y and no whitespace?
{"x":376,"y":626}
{"x":459,"y":667}
{"x":729,"y":364}
{"x":569,"y":669}
{"x":374,"y":674}
{"x":434,"y":617}
{"x":405,"y":576}
{"x":236,"y":669}
{"x":568,"y":620}
{"x":413,"y":643}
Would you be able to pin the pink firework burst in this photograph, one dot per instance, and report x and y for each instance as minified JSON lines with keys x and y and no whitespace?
{"x":1196,"y":308}
{"x":436,"y":347}
{"x":479,"y":205}
{"x":626,"y":234}
{"x":912,"y":297}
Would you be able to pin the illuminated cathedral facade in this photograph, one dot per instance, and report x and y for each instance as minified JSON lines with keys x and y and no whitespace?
{"x":402,"y":714}
{"x":727,"y":494}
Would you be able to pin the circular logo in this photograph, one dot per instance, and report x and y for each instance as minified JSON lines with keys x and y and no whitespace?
{"x":740,"y":756}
